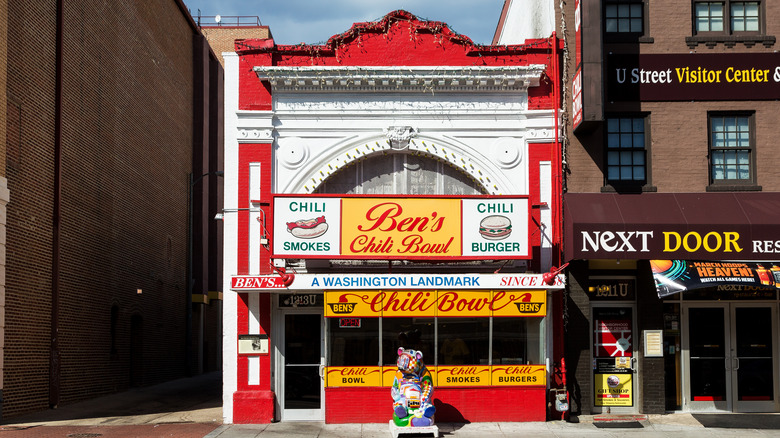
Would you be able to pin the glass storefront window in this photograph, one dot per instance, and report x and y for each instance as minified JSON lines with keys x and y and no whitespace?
{"x":517,"y":341}
{"x":443,"y":341}
{"x":353,"y":346}
{"x":414,"y":333}
{"x":464,"y":341}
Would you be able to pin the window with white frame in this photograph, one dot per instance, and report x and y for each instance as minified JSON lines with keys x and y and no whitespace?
{"x":727,"y":17}
{"x":731,"y":149}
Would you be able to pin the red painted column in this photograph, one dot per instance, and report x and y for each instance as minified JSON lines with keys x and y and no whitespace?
{"x":253,"y":404}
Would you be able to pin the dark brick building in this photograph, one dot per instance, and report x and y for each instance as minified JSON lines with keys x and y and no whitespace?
{"x":111,"y":108}
{"x":671,"y":206}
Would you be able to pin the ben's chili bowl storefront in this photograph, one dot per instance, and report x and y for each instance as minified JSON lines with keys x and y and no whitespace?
{"x":484,"y":336}
{"x":393,"y":187}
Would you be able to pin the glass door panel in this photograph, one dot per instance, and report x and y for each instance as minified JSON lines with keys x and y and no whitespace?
{"x":302,"y":364}
{"x":708,"y":383}
{"x":731,"y":358}
{"x":753,"y":363}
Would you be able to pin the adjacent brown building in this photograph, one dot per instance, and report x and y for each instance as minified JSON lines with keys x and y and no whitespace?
{"x":111,"y":115}
{"x":672,"y":211}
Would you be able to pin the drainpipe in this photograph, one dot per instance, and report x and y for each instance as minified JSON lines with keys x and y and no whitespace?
{"x":558,"y":172}
{"x":54,"y":352}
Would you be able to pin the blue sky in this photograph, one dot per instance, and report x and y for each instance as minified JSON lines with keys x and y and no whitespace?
{"x":314,"y":21}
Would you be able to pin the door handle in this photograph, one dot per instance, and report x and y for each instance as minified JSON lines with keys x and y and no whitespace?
{"x":321,"y":371}
{"x":737,"y":362}
{"x":633,"y":364}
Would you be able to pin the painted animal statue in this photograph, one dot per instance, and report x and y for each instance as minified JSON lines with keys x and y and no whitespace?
{"x":412,"y":391}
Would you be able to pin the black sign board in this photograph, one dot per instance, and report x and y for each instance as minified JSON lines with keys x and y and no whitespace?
{"x":300,"y":300}
{"x":691,"y":77}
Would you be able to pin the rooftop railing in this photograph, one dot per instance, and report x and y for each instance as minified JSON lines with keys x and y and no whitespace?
{"x":227,"y":20}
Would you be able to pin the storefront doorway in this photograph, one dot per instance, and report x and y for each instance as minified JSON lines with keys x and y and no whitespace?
{"x":614,"y":362}
{"x":729,"y":352}
{"x":301,"y":361}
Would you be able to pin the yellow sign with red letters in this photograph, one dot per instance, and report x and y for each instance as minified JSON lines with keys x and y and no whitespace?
{"x":518,"y":375}
{"x":435,"y":303}
{"x":443,"y":375}
{"x":353,"y":376}
{"x":414,"y":227}
{"x":401,"y":228}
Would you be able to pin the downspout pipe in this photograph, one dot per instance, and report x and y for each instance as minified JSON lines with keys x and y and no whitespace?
{"x":54,"y":349}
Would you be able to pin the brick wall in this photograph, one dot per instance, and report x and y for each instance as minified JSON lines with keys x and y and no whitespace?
{"x":30,"y":87}
{"x":649,"y":317}
{"x":3,"y":181}
{"x":126,"y":157}
{"x":679,"y":136}
{"x":578,"y":337}
{"x":221,"y":39}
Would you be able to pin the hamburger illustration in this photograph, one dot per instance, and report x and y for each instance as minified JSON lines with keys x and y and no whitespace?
{"x":308,"y":228}
{"x":495,"y":227}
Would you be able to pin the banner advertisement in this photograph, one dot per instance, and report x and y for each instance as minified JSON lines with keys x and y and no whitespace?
{"x":410,"y":281}
{"x":435,"y":303}
{"x":406,"y":228}
{"x":674,"y":276}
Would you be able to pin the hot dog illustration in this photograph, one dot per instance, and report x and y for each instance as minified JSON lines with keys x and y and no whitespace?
{"x":308,"y":228}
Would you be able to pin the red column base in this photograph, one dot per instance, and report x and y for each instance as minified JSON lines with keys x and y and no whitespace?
{"x":253,"y":407}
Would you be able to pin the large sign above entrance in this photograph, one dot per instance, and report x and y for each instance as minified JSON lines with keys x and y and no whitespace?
{"x":386,"y":281}
{"x":401,"y":228}
{"x":683,"y":226}
{"x":435,"y":303}
{"x":683,"y":77}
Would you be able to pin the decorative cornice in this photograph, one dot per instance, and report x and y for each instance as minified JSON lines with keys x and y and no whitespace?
{"x":400,"y":79}
{"x":254,"y":134}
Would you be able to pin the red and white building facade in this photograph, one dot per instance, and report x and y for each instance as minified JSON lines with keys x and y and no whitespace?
{"x":395,"y":186}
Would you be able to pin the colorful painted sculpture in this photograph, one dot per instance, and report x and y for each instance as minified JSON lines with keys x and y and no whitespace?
{"x":412,"y":391}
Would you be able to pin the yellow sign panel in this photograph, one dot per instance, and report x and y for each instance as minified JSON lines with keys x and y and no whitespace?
{"x":462,"y":375}
{"x":353,"y":376}
{"x":417,"y":303}
{"x":428,"y":303}
{"x":519,"y":303}
{"x":397,"y":227}
{"x":614,"y":389}
{"x":463,"y":303}
{"x":388,"y":374}
{"x":518,"y":375}
{"x":353,"y":303}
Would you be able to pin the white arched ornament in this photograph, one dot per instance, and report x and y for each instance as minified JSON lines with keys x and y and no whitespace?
{"x":487,"y":169}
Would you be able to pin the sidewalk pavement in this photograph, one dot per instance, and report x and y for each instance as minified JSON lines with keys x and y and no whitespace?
{"x":650,"y":426}
{"x":188,"y":408}
{"x":192,"y":408}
